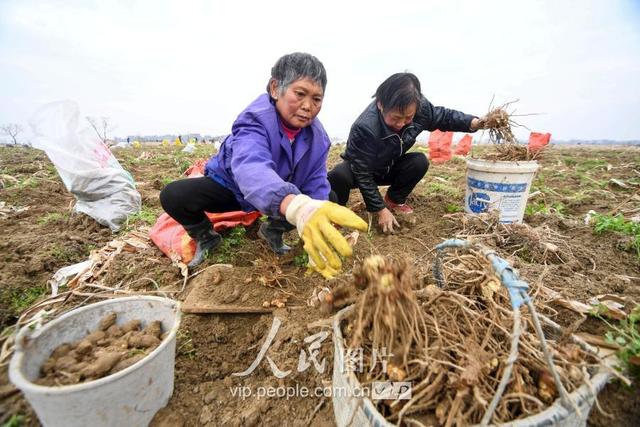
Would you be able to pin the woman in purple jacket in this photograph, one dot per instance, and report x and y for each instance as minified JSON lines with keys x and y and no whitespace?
{"x":274,"y":162}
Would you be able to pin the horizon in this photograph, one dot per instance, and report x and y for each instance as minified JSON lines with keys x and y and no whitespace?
{"x":165,"y":67}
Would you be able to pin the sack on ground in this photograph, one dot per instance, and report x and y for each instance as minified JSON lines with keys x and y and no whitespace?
{"x":102,"y":188}
{"x":537,"y":141}
{"x":440,"y":146}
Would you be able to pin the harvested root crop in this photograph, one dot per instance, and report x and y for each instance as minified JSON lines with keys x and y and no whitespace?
{"x":388,"y":317}
{"x":107,"y":350}
{"x":454,"y":344}
{"x":533,"y":244}
{"x":500,"y":122}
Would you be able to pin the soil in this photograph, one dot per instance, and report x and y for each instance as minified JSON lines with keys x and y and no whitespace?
{"x":41,"y":235}
{"x":105,"y":351}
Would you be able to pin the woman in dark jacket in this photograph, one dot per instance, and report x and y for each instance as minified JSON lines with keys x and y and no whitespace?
{"x":376,"y":152}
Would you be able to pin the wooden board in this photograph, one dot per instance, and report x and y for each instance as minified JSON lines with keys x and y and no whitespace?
{"x":203,"y":300}
{"x":200,"y":307}
{"x":228,"y":290}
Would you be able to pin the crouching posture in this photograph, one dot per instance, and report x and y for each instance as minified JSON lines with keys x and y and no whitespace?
{"x":274,"y":161}
{"x":376,"y":152}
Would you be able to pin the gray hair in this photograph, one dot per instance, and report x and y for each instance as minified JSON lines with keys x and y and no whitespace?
{"x":296,"y":66}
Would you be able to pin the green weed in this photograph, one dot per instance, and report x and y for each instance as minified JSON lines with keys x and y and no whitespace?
{"x":591,"y":164}
{"x":453,"y":208}
{"x":182,"y":163}
{"x":586,"y":180}
{"x":146,"y":215}
{"x":540,"y":185}
{"x":301,"y":260}
{"x":225,"y":253}
{"x":21,"y":299}
{"x":185,"y":344}
{"x":30,"y":182}
{"x":627,"y":335}
{"x":14,"y":421}
{"x":442,"y":188}
{"x":61,"y":253}
{"x":53,"y":217}
{"x":458,"y":160}
{"x":555,"y":208}
{"x":604,"y":223}
{"x":580,"y":197}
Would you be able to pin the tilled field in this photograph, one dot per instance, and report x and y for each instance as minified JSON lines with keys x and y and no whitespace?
{"x":41,"y":235}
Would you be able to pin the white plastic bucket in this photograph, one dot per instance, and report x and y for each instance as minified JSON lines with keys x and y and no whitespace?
{"x":352,"y":407}
{"x":130,"y":397}
{"x":499,"y":185}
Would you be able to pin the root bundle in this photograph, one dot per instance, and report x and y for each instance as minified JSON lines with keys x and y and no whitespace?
{"x":455,"y":343}
{"x":500,"y":123}
{"x":534,"y":244}
{"x":389,"y":318}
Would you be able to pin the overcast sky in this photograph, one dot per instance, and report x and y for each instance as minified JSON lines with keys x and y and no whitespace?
{"x":157,"y":67}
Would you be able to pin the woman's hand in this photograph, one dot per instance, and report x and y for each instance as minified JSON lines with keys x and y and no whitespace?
{"x":478,"y":123}
{"x":386,"y":221}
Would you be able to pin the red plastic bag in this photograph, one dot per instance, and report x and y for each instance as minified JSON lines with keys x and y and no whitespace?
{"x":464,"y":146}
{"x":171,"y":238}
{"x":537,"y":141}
{"x":440,"y":146}
{"x":197,"y":169}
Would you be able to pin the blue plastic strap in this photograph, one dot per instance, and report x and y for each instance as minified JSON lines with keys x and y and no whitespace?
{"x":453,"y":243}
{"x":517,"y":288}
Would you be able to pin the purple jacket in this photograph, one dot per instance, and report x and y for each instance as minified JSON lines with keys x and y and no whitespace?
{"x":260,"y":166}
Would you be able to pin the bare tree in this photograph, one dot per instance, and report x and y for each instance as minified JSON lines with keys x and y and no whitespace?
{"x":102,"y":126}
{"x":12,"y":130}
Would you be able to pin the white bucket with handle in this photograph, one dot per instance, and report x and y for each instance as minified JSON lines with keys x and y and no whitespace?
{"x":130,"y":397}
{"x":500,"y":185}
{"x":352,"y":406}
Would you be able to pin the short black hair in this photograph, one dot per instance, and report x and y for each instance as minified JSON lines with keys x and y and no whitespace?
{"x":296,"y":66}
{"x":399,"y":91}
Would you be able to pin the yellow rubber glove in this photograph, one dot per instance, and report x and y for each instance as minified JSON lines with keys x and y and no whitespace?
{"x":314,"y":219}
{"x":327,"y":272}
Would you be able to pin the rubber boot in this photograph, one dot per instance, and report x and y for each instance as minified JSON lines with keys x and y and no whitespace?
{"x":206,"y":240}
{"x":271,"y":232}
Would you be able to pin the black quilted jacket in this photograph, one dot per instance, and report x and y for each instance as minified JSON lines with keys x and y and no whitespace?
{"x":372,"y":147}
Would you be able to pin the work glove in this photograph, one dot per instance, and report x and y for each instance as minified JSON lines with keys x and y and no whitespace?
{"x":313,"y":219}
{"x":327,"y":272}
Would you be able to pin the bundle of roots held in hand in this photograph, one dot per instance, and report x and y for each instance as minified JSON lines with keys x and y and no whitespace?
{"x":109,"y":349}
{"x":499,"y":125}
{"x":499,"y":122}
{"x":452,"y":344}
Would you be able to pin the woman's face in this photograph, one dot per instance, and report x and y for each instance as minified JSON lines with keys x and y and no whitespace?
{"x":300,"y":103}
{"x":397,"y":119}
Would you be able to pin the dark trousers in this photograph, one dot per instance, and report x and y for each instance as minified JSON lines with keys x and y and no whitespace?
{"x":402,"y":178}
{"x":186,"y":200}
